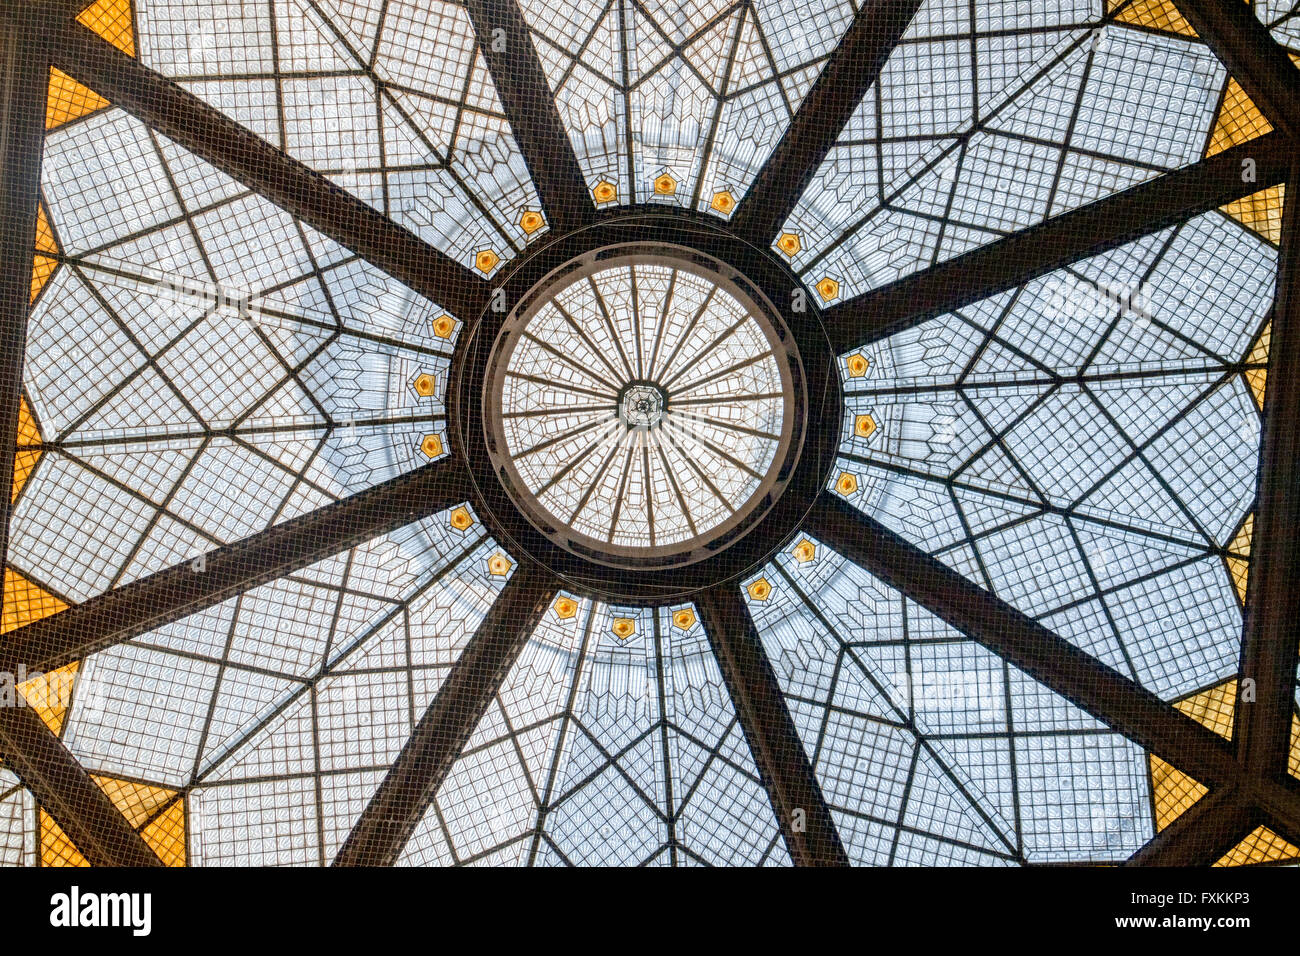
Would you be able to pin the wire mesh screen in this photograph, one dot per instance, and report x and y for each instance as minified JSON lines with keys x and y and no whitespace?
{"x":991,"y":510}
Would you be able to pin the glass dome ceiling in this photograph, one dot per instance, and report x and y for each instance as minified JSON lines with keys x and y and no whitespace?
{"x":643,"y":406}
{"x":270,"y":600}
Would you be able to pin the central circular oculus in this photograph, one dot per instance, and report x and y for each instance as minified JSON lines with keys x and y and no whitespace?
{"x":640,"y":408}
{"x":642,"y":405}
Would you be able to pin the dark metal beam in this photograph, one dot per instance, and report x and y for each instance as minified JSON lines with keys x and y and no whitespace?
{"x":526,"y":96}
{"x":1202,"y":833}
{"x":1089,"y":230}
{"x":66,"y":792}
{"x":210,"y":134}
{"x":1103,"y":692}
{"x":24,"y":80}
{"x":1223,"y":818}
{"x":29,"y":748}
{"x":185,"y":589}
{"x":1271,"y":627}
{"x":1250,"y":53}
{"x":1278,"y":799}
{"x":848,"y":74}
{"x":67,"y":8}
{"x":773,"y":740}
{"x":380,"y":833}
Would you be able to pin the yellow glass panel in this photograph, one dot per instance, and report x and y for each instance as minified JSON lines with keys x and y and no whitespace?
{"x":165,"y":834}
{"x":25,"y":460}
{"x":1293,"y":763}
{"x":44,"y":234}
{"x":1156,"y":14}
{"x":1213,"y":708}
{"x":42,"y":268}
{"x":1239,"y":120}
{"x":1237,"y":559}
{"x":111,"y":19}
{"x":1260,"y":212}
{"x":49,"y":694}
{"x":68,"y":100}
{"x":26,"y":602}
{"x":1239,"y":571}
{"x":28,"y":433}
{"x":1172,"y":791}
{"x":1259,"y":352}
{"x":1256,"y":378}
{"x":56,"y":848}
{"x":157,"y":813}
{"x":1262,"y":846}
{"x":138,"y":802}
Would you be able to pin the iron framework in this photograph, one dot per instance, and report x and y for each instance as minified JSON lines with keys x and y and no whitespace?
{"x":1248,"y":777}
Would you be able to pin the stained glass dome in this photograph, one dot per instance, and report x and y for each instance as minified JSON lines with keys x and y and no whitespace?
{"x":647,"y":432}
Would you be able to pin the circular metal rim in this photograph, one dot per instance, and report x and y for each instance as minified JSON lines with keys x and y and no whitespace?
{"x":777,"y":473}
{"x":757,"y":269}
{"x":644,"y":384}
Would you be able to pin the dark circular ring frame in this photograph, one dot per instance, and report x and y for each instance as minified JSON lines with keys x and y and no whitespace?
{"x":784,"y":354}
{"x":814,"y":415}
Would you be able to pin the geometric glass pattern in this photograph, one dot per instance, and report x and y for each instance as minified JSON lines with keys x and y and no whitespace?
{"x":643,"y":406}
{"x":605,"y":750}
{"x":211,"y":358}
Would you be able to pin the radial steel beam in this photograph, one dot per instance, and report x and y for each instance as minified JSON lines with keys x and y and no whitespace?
{"x":1271,"y":628}
{"x":1202,"y":833}
{"x":1252,"y":56}
{"x":185,"y":589}
{"x":1216,"y":823}
{"x":24,"y":80}
{"x":29,"y":748}
{"x":1278,"y":799}
{"x":380,"y":833}
{"x":211,"y":135}
{"x":65,"y":791}
{"x":526,"y":96}
{"x":1079,"y":677}
{"x":848,"y":74}
{"x":67,"y":8}
{"x":783,"y":765}
{"x":1087,"y":231}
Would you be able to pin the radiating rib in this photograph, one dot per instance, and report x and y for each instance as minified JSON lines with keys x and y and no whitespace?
{"x":1202,"y":833}
{"x":1270,"y":636}
{"x":783,"y":765}
{"x":1087,"y":231}
{"x":526,"y":97}
{"x":67,"y":793}
{"x":214,"y":137}
{"x":852,"y":68}
{"x":185,"y":589}
{"x":1074,"y":674}
{"x":380,"y":833}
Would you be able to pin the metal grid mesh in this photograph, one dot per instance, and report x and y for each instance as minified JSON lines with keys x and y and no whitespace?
{"x":202,"y":366}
